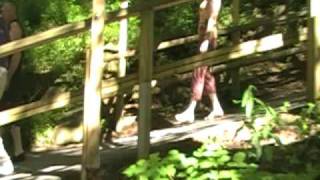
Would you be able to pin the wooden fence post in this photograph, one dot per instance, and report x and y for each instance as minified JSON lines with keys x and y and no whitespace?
{"x":92,"y":95}
{"x":145,"y":77}
{"x":313,"y":71}
{"x":235,"y":73}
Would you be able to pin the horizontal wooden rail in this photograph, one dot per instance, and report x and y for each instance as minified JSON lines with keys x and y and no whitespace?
{"x":43,"y":105}
{"x":243,"y":27}
{"x":112,"y":87}
{"x":77,"y":27}
{"x":220,"y":56}
{"x":255,"y":46}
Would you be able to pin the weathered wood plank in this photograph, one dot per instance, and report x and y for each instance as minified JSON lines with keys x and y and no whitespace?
{"x":313,"y":65}
{"x":34,"y":108}
{"x":92,"y":95}
{"x":255,"y":46}
{"x":145,"y":77}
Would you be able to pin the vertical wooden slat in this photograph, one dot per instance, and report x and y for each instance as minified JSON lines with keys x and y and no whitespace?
{"x":122,"y":46}
{"x":145,"y":76}
{"x":313,"y":71}
{"x":92,"y":95}
{"x":234,"y":73}
{"x":123,"y":40}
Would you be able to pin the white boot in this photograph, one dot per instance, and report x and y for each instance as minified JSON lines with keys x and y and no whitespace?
{"x":187,"y":116}
{"x":216,"y":107}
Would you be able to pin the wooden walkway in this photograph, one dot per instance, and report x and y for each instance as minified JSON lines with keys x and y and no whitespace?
{"x":65,"y":162}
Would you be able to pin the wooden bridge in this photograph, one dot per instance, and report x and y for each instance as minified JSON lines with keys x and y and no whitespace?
{"x":239,"y":54}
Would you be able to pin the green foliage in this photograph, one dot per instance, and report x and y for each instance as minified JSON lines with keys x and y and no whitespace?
{"x":40,"y":128}
{"x":169,"y":24}
{"x":260,"y":118}
{"x":207,"y":162}
{"x":308,"y":116}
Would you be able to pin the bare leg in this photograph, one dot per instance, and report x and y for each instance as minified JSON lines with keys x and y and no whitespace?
{"x":216,"y":107}
{"x":197,"y":87}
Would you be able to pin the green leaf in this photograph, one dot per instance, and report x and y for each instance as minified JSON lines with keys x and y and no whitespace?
{"x":175,"y":155}
{"x":174,"y":152}
{"x":171,"y":170}
{"x":191,"y":161}
{"x":205,"y":164}
{"x":245,"y":98}
{"x":190,"y":170}
{"x":249,"y":107}
{"x":162,"y":171}
{"x":227,"y":174}
{"x":220,"y":152}
{"x":130,"y":171}
{"x":141,"y":162}
{"x":239,"y":157}
{"x":266,"y":131}
{"x":208,"y":153}
{"x":143,"y":177}
{"x":223,"y":159}
{"x":286,"y":105}
{"x":181,"y":175}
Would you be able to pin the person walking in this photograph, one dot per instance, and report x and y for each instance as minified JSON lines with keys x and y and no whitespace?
{"x":202,"y":80}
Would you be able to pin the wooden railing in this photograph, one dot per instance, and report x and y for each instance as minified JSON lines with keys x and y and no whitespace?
{"x":113,"y":86}
{"x":255,"y":51}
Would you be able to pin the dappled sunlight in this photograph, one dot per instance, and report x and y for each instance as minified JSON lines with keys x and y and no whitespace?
{"x":60,"y":168}
{"x":49,"y":173}
{"x":65,"y":135}
{"x":254,"y":46}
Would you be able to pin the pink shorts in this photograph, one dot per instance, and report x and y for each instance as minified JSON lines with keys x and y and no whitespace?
{"x":202,"y":82}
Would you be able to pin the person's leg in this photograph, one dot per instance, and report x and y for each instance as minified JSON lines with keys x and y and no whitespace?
{"x":17,"y":143}
{"x":3,"y":80}
{"x":197,"y":89}
{"x":210,"y":89}
{"x":15,"y":131}
{"x":6,"y":166}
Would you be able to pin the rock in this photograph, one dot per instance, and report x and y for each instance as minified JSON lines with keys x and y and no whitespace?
{"x":69,"y":132}
{"x":125,"y":122}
